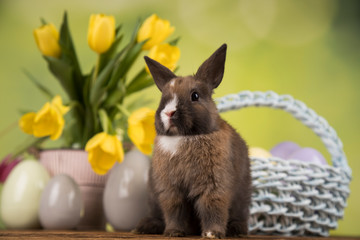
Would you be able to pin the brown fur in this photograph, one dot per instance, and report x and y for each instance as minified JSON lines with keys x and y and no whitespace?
{"x":205,"y":187}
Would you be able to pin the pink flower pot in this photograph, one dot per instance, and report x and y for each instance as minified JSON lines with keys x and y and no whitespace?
{"x":75,"y":164}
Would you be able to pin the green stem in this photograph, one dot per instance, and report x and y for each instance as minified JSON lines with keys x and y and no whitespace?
{"x":96,"y":70}
{"x":123,"y":110}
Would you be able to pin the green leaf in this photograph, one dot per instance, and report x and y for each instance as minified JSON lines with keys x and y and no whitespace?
{"x":135,"y":31}
{"x":123,"y":110}
{"x":23,"y":111}
{"x":43,"y":21}
{"x":114,"y":97}
{"x":175,"y":41}
{"x":105,"y":122}
{"x":109,"y":54}
{"x":141,"y":81}
{"x":71,"y":133}
{"x":64,"y":73}
{"x":103,"y":81}
{"x":123,"y":66}
{"x":75,"y":122}
{"x":138,"y":103}
{"x":91,"y":125}
{"x":99,"y":88}
{"x":147,"y":82}
{"x":48,"y":94}
{"x":87,"y":88}
{"x":68,"y":56}
{"x":77,"y":105}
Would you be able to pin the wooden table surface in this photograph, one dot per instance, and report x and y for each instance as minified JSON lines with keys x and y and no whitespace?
{"x":43,"y":234}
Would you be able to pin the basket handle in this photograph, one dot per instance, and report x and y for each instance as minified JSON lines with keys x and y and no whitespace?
{"x":298,"y":110}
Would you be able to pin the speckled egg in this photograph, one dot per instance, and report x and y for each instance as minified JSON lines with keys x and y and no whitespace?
{"x":61,"y":205}
{"x":125,"y":194}
{"x":21,"y":195}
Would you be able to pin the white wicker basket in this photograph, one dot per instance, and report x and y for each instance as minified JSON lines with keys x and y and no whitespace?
{"x":292,"y":197}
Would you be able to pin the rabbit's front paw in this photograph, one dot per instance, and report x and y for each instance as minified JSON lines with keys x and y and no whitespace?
{"x":212,"y":234}
{"x":149,"y":226}
{"x":237,"y":229}
{"x":174,"y":233}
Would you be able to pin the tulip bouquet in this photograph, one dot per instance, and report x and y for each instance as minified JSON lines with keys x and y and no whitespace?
{"x":96,"y":116}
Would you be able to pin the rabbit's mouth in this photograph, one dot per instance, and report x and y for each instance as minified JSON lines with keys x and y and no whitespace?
{"x":172,"y":130}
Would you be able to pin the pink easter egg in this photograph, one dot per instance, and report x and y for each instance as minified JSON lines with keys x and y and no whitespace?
{"x":284,"y":149}
{"x":6,"y":166}
{"x":309,"y":155}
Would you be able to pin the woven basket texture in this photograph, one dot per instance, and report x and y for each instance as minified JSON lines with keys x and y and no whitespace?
{"x":292,"y":197}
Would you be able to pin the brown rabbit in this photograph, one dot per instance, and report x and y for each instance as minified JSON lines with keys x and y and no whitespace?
{"x":200,"y":175}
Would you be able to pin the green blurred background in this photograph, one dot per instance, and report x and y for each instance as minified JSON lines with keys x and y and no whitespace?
{"x":309,"y":49}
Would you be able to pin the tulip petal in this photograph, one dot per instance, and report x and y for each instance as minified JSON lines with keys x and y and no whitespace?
{"x":101,"y":32}
{"x":95,"y":141}
{"x":150,"y":133}
{"x":48,"y":121}
{"x":47,"y":40}
{"x":120,"y":151}
{"x":44,"y":121}
{"x":26,"y":122}
{"x":146,"y":28}
{"x":100,"y":161}
{"x":145,"y":148}
{"x":165,"y":54}
{"x":57,"y":102}
{"x":136,"y":133}
{"x":92,"y":20}
{"x":59,"y":129}
{"x":108,"y":144}
{"x":103,"y":151}
{"x":155,"y":30}
{"x":141,"y":129}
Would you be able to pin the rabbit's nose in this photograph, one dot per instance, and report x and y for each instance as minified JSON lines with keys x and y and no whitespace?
{"x":170,"y":113}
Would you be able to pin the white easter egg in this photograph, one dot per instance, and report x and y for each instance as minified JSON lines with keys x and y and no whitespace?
{"x":61,"y":204}
{"x":125,"y":194}
{"x":21,"y":195}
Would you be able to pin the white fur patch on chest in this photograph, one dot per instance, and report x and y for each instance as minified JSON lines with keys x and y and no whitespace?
{"x":170,"y":144}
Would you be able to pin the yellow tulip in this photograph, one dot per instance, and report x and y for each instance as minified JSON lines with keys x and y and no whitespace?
{"x":101,"y":32}
{"x":47,"y":40}
{"x":48,"y":121}
{"x":103,"y":151}
{"x":155,"y":30}
{"x":165,"y":54}
{"x":141,"y":129}
{"x":26,"y":122}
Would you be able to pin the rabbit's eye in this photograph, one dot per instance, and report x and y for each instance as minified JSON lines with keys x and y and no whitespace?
{"x":194,"y":96}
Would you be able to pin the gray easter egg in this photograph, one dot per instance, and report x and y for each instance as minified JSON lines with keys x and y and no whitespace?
{"x":125,"y":194}
{"x":61,"y":205}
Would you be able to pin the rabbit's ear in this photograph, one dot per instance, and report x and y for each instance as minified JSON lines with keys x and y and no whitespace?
{"x":212,"y":70}
{"x":160,"y":73}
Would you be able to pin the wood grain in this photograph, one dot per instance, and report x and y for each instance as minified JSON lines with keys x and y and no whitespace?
{"x":43,"y":234}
